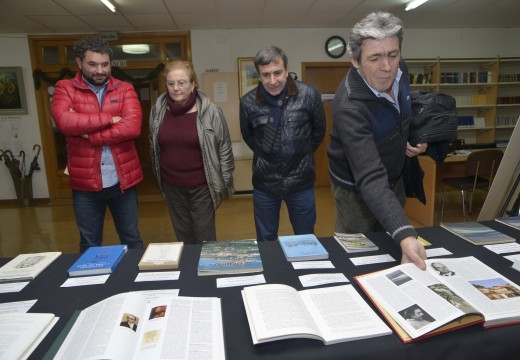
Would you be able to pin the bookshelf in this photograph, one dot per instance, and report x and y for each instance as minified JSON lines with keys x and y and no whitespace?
{"x":487,"y":90}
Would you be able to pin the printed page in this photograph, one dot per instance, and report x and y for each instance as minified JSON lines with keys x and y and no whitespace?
{"x":342,"y":314}
{"x":182,"y":328}
{"x":495,"y":296}
{"x":276,"y":311}
{"x":417,"y":300}
{"x":108,"y":329}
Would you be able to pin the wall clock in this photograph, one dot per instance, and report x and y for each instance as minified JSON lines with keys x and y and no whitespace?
{"x":335,"y":46}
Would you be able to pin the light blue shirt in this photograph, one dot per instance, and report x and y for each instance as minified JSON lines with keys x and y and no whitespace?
{"x":108,"y":167}
{"x":395,"y":89}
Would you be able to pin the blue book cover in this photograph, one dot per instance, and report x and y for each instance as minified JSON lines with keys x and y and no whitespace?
{"x":229,"y":257}
{"x":302,"y":247}
{"x":98,"y":260}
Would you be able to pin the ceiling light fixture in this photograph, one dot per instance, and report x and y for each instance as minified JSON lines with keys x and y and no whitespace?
{"x":136,"y":49}
{"x":109,"y":5}
{"x":413,"y":4}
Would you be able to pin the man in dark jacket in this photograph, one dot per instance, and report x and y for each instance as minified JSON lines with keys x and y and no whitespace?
{"x":283,"y":121}
{"x":371,"y":116}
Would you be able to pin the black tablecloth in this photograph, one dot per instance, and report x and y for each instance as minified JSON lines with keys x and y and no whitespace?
{"x":473,"y":342}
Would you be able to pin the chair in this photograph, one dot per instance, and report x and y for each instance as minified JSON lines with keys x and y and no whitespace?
{"x":481,"y":167}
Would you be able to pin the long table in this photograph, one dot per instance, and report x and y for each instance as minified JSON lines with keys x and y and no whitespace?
{"x":469,"y":343}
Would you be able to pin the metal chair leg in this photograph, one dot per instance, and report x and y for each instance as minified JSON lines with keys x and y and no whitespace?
{"x":463,"y":204}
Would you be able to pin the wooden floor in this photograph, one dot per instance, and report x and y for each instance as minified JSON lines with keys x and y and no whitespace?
{"x":40,"y":228}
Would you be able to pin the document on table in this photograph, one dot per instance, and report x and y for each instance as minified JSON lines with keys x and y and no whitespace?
{"x":374,"y":259}
{"x":85,"y":280}
{"x":437,"y":252}
{"x":13,"y":287}
{"x":325,"y":264}
{"x":240,"y":281}
{"x":320,"y":279}
{"x":17,"y":306}
{"x":158,"y":276}
{"x":504,"y":248}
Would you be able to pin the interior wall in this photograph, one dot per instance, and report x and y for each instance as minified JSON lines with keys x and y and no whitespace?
{"x":219,"y":49}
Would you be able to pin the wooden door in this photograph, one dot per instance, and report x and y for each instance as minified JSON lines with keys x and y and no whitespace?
{"x":326,"y":76}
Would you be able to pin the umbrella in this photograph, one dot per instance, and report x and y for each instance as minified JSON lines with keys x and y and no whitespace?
{"x":12,"y":164}
{"x":34,"y":162}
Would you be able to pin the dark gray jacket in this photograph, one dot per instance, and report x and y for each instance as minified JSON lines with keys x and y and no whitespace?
{"x":302,"y":130}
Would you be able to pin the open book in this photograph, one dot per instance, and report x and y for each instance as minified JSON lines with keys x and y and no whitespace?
{"x":332,"y":314}
{"x":450,"y":294}
{"x":21,"y":333}
{"x":127,"y":326}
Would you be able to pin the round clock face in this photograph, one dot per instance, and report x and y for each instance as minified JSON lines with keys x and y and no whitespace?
{"x":335,"y":46}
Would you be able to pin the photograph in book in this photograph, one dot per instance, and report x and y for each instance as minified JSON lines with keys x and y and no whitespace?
{"x":477,"y":233}
{"x":332,"y":314}
{"x":229,"y":257}
{"x":161,"y":256}
{"x":451,"y":294}
{"x":26,"y":267}
{"x":128,"y":326}
{"x":353,"y":243}
{"x":302,"y":247}
{"x":513,"y":221}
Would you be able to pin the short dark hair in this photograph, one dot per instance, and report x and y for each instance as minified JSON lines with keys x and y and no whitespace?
{"x":95,"y":44}
{"x":269,"y":54}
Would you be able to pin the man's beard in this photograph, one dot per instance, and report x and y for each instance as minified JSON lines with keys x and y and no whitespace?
{"x":92,"y":79}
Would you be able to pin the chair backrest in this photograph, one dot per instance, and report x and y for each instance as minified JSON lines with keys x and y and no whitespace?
{"x":484,"y":162}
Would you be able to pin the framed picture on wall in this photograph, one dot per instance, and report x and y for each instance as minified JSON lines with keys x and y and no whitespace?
{"x":12,"y":92}
{"x":247,"y":75}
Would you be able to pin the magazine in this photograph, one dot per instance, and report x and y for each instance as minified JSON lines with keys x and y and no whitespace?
{"x":450,"y":294}
{"x":353,"y":243}
{"x":477,"y":233}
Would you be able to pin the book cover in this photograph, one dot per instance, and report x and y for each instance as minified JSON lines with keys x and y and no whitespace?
{"x":98,"y":260}
{"x":26,"y":267}
{"x":161,"y":256}
{"x":302,"y":247}
{"x":353,"y":243}
{"x":477,"y":233}
{"x":513,"y":221}
{"x":229,"y":257}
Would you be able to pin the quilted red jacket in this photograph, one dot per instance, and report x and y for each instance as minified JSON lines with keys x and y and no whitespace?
{"x":76,"y":111}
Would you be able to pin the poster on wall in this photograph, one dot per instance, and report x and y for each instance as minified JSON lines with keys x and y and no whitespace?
{"x":12,"y":92}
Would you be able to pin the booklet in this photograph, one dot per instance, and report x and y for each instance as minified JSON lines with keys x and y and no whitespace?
{"x":450,"y":294}
{"x":161,"y":256}
{"x":331,"y":314}
{"x":477,"y":233}
{"x":127,"y":326}
{"x":26,"y":267}
{"x":513,"y":221}
{"x":98,"y":260}
{"x":302,"y":247}
{"x":357,"y":242}
{"x":229,"y":257}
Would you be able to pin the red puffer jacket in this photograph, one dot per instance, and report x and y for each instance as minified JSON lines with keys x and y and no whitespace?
{"x":75,"y":109}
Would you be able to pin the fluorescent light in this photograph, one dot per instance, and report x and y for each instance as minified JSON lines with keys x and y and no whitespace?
{"x":136,"y":49}
{"x":413,"y":4}
{"x":109,"y":5}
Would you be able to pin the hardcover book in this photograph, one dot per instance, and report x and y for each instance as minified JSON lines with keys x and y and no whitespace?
{"x":513,"y":221}
{"x":302,"y":247}
{"x":161,"y":256}
{"x":26,"y":267}
{"x":353,"y":243}
{"x":332,"y":314}
{"x":451,"y":294}
{"x":477,"y":233}
{"x":130,"y":326}
{"x":98,"y":260}
{"x":229,"y":257}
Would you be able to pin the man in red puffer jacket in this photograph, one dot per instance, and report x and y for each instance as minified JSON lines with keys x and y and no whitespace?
{"x":100,"y":117}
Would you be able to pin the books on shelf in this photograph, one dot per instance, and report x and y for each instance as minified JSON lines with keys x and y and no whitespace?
{"x":513,"y":221}
{"x":271,"y":311}
{"x":161,"y":256}
{"x":302,"y":247}
{"x":353,"y":243}
{"x":450,"y":294}
{"x":229,"y":257}
{"x":26,"y":267}
{"x":23,"y":333}
{"x":98,"y":260}
{"x":127,"y":326}
{"x":477,"y":233}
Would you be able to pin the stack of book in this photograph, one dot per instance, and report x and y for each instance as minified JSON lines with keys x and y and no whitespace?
{"x":353,"y":243}
{"x":98,"y":260}
{"x":302,"y":247}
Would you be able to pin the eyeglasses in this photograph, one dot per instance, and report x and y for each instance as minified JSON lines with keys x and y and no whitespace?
{"x":180,"y":84}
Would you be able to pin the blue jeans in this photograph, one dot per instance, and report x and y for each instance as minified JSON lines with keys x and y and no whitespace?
{"x":90,"y":209}
{"x":301,"y":206}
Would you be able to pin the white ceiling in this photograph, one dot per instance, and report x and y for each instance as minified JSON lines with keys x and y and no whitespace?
{"x":87,"y":16}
